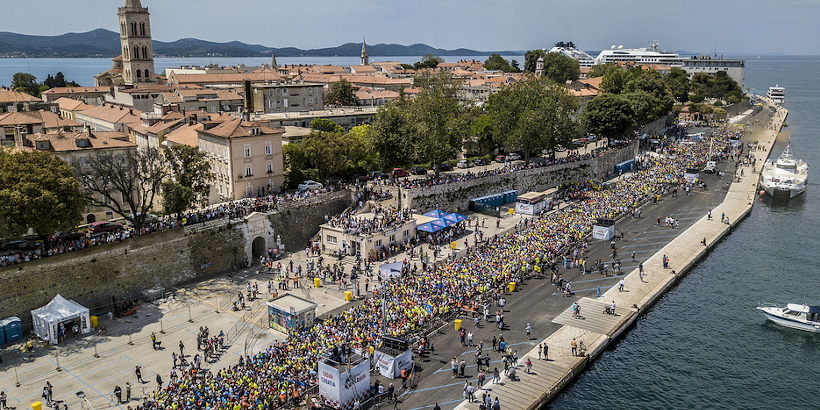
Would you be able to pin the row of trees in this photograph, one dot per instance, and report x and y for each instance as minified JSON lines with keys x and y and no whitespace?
{"x":27,"y":83}
{"x":43,"y":192}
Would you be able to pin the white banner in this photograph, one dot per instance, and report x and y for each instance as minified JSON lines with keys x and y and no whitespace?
{"x":390,"y":366}
{"x":340,"y":389}
{"x":603,"y":232}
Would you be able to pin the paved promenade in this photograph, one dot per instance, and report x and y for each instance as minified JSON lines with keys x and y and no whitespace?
{"x":597,"y":329}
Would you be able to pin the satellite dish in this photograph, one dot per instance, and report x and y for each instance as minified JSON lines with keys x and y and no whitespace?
{"x":613,"y":47}
{"x":621,"y":47}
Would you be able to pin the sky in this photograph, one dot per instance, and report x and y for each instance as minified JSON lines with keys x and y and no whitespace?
{"x":698,"y":26}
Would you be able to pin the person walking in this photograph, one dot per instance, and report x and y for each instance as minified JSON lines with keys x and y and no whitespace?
{"x":496,"y":404}
{"x":470,"y":338}
{"x":181,"y":349}
{"x":159,"y":382}
{"x":529,"y":331}
{"x":546,"y":351}
{"x":496,"y":376}
{"x":574,"y":346}
{"x":138,"y":373}
{"x":621,"y":285}
{"x":3,"y":399}
{"x":127,"y":391}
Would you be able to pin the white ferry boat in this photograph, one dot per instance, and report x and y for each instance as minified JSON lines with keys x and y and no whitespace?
{"x":801,"y":317}
{"x":568,"y":49}
{"x":777,"y":94}
{"x":786,"y":177}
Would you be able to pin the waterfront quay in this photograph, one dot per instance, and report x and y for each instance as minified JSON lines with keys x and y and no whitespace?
{"x":597,"y":329}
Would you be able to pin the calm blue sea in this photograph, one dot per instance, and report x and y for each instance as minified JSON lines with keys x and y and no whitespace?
{"x":704,"y":345}
{"x":82,"y":70}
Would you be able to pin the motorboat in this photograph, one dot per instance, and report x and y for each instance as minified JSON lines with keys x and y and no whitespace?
{"x":795,"y":316}
{"x":785,"y":177}
{"x":777,"y":94}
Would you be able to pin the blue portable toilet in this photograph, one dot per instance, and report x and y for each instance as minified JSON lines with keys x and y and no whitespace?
{"x":12,"y":329}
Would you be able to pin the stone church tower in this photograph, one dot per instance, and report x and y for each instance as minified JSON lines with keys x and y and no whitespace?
{"x":539,"y":67}
{"x":135,"y":39}
{"x":365,"y":58}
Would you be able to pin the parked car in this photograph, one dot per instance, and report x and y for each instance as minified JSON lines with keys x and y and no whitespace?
{"x":480,"y":161}
{"x":464,"y":164}
{"x":399,"y":172}
{"x":148,"y":218}
{"x":359,"y":178}
{"x":500,"y":158}
{"x":309,"y":185}
{"x":418,"y":171}
{"x":334,"y":181}
{"x":20,"y":245}
{"x":445,"y":167}
{"x":104,"y":226}
{"x":711,"y":167}
{"x":379,"y":175}
{"x":67,"y":236}
{"x":513,"y":156}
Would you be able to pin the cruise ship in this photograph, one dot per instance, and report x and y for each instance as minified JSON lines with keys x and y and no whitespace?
{"x":645,"y":55}
{"x":777,"y":94}
{"x":786,"y":177}
{"x":568,"y":49}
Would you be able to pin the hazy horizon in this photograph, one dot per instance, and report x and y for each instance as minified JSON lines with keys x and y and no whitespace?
{"x":699,"y":26}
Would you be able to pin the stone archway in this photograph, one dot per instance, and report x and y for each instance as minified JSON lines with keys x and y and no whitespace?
{"x":90,"y":219}
{"x":258,"y":248}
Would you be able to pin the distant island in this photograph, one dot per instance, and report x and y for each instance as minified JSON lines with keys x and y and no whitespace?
{"x":101,"y":43}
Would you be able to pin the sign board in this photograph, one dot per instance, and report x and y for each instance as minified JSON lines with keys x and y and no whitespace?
{"x":603,"y":232}
{"x":391,"y":366}
{"x":340,"y":389}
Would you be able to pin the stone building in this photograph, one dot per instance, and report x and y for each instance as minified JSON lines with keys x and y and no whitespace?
{"x":136,"y":64}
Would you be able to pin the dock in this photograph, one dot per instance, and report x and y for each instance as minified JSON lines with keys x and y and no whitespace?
{"x":597,"y":329}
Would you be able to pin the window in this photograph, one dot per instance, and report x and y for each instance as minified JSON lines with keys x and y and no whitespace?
{"x":269,"y":167}
{"x":379,"y":243}
{"x":268,"y":148}
{"x":392,"y":238}
{"x":147,"y":74}
{"x":247,"y":150}
{"x":139,"y":74}
{"x":248,"y":170}
{"x":331,"y":239}
{"x":406,"y":233}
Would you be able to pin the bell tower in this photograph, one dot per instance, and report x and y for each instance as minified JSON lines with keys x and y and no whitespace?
{"x":365,"y":58}
{"x":135,"y":40}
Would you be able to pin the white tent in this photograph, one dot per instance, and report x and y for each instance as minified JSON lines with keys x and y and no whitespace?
{"x":47,"y":319}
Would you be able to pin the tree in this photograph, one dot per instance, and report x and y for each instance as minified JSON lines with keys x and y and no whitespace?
{"x":533,"y":114}
{"x":560,"y":68}
{"x":484,"y":132}
{"x":651,"y":82}
{"x":599,"y":70}
{"x":388,"y":144}
{"x":677,"y":81}
{"x":531,"y":58}
{"x":342,"y":93}
{"x":326,"y":125}
{"x":609,"y":115}
{"x":428,"y":61}
{"x":496,"y":62}
{"x":25,"y":83}
{"x":39,"y":191}
{"x":125,"y":182}
{"x":438,"y":121}
{"x":615,"y":80}
{"x":189,"y":183}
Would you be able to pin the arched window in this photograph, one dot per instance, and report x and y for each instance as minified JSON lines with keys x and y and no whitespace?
{"x":122,"y":28}
{"x":144,"y":53}
{"x":136,"y":53}
{"x":139,"y":74}
{"x":269,"y":167}
{"x":142,"y":29}
{"x":125,"y":53}
{"x":248,"y":170}
{"x":147,"y":75}
{"x":128,"y":75}
{"x":134,"y":29}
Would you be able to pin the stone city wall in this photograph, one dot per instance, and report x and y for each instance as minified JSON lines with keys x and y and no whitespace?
{"x":163,"y":259}
{"x":454,"y":195}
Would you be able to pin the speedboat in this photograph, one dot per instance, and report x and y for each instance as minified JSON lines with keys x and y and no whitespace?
{"x":786,"y":177}
{"x":801,"y":317}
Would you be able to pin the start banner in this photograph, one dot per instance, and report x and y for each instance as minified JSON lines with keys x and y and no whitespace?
{"x":391,"y":366}
{"x":340,"y":389}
